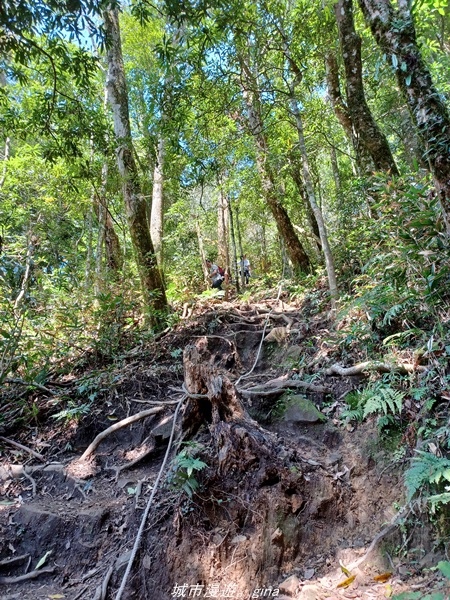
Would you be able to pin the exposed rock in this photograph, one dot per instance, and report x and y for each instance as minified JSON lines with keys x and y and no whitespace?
{"x":301,"y":410}
{"x":290,"y":585}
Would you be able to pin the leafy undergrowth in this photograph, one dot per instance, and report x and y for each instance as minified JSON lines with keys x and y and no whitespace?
{"x":384,"y":446}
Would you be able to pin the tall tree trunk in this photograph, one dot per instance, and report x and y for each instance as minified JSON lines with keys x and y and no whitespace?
{"x":395,"y":33}
{"x":329,"y":262}
{"x":297,"y":254}
{"x":157,"y":210}
{"x":136,"y":208}
{"x":364,"y":126}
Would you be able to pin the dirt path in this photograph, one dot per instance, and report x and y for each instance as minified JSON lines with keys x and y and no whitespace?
{"x":283,"y":501}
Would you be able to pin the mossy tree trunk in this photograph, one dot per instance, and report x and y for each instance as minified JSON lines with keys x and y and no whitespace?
{"x":395,"y":33}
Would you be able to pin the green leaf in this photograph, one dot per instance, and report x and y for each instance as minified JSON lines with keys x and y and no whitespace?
{"x":444,"y":567}
{"x":408,"y":80}
{"x":394,"y":60}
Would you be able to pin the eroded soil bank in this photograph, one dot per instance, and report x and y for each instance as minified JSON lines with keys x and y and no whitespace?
{"x":271,"y":494}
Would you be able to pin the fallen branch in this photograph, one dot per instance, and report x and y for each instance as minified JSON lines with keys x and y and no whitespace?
{"x":24,"y":448}
{"x":119,"y":425}
{"x":30,"y":575}
{"x":373,"y":365}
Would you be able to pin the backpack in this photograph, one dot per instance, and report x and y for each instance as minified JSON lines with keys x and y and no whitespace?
{"x":221,"y":271}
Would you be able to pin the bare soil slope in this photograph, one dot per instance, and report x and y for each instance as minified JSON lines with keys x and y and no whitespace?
{"x":284,"y":496}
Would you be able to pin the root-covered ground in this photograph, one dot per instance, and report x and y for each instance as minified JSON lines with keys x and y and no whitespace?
{"x":267,"y":491}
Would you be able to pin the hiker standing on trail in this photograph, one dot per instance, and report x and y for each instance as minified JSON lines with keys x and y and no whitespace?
{"x":245,"y":268}
{"x":214,"y":275}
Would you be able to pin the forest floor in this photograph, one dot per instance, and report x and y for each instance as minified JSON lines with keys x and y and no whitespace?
{"x":275,"y":494}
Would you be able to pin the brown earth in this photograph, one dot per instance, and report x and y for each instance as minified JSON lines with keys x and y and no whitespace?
{"x":282,"y":503}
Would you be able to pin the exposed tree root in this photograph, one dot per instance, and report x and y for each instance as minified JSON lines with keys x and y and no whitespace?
{"x":9,"y":562}
{"x":22,"y":447}
{"x":119,"y":425}
{"x":30,"y":575}
{"x":102,"y":590}
{"x":288,"y":384}
{"x":373,"y":365}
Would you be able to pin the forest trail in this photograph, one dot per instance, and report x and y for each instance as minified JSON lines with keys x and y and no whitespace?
{"x":290,"y":499}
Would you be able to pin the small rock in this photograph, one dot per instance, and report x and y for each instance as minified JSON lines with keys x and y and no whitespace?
{"x":309,"y":573}
{"x":290,"y":585}
{"x":310,"y":592}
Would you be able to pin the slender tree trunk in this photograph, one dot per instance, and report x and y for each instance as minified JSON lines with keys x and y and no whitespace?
{"x":88,"y":263}
{"x":136,"y":207}
{"x":297,"y":254}
{"x":222,"y":230}
{"x":239,"y":271}
{"x":311,"y":219}
{"x":5,"y":161}
{"x":31,"y":247}
{"x":363,"y":124}
{"x":201,"y":250}
{"x":157,"y":210}
{"x":233,"y":244}
{"x":395,"y":33}
{"x":329,"y":263}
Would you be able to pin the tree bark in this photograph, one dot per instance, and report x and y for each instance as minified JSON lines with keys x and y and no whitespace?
{"x":157,"y":211}
{"x":365,"y":128}
{"x":395,"y":33}
{"x":136,"y":207}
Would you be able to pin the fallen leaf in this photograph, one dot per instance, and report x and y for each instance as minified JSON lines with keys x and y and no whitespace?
{"x":388,"y":591}
{"x":344,"y":569}
{"x":383,"y":577}
{"x":347,"y":582}
{"x":56,"y":596}
{"x":42,"y":560}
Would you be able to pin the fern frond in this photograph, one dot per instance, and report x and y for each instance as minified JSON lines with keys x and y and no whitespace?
{"x":426,"y":470}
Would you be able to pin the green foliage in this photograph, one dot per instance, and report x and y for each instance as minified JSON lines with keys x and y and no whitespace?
{"x":428,"y":473}
{"x":378,"y":398}
{"x":184,"y":468}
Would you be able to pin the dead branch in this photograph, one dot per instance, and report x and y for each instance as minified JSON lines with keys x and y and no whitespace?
{"x":373,"y":365}
{"x":8,"y":562}
{"x":22,"y":447}
{"x":119,"y":425}
{"x":30,"y":575}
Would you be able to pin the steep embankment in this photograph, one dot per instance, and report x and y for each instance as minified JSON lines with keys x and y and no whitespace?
{"x":267,"y":496}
